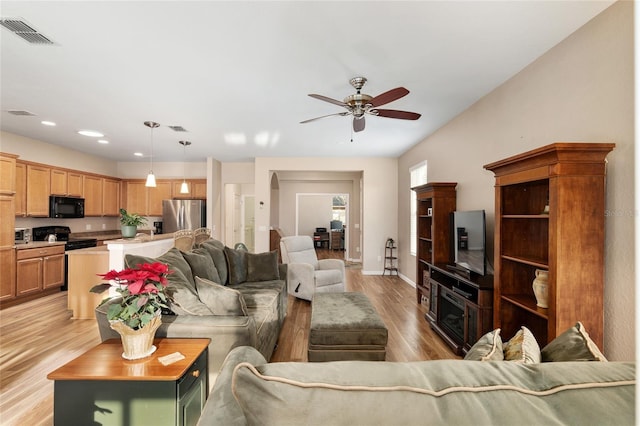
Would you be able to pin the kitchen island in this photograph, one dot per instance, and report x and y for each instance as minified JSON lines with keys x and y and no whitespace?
{"x":86,"y":264}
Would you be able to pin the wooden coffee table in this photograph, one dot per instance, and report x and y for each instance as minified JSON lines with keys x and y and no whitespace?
{"x":101,"y":387}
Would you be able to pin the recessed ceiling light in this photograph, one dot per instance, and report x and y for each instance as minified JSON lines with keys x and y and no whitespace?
{"x":137,"y":154}
{"x":90,"y":133}
{"x":103,"y":141}
{"x":48,"y":123}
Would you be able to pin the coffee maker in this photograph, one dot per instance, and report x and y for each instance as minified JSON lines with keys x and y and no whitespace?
{"x":158,"y":227}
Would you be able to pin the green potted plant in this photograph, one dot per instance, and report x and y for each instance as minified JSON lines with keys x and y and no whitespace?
{"x":130,"y":223}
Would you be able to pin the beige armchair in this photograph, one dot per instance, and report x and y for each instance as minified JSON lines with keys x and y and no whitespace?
{"x":307,"y":275}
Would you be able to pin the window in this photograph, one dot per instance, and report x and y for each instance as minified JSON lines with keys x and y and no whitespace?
{"x":418,"y":177}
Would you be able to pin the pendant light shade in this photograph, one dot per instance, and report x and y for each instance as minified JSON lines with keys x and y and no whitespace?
{"x":184,"y":188}
{"x":151,"y":179}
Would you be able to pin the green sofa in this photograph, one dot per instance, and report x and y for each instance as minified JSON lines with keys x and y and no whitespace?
{"x":233,"y":297}
{"x":250,"y":391}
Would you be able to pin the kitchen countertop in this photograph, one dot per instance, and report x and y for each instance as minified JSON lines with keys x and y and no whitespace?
{"x":90,"y":250}
{"x":140,"y":238}
{"x":39,"y":244}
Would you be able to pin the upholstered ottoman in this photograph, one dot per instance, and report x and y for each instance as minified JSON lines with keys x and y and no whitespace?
{"x":345,"y":326}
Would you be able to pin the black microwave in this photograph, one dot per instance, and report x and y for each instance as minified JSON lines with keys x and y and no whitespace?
{"x":66,"y":207}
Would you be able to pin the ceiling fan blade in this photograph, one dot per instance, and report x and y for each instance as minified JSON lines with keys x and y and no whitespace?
{"x":389,"y":96}
{"x":324,"y":116}
{"x":358,"y":124}
{"x":393,"y":113}
{"x":326,"y":99}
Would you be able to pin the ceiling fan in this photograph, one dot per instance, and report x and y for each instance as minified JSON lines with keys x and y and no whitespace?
{"x":360,"y":104}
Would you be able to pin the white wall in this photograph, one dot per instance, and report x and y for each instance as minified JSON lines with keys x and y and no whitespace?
{"x":581,"y":90}
{"x":379,"y":200}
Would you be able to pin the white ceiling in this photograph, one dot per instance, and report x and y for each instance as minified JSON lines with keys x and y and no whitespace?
{"x":236,"y":75}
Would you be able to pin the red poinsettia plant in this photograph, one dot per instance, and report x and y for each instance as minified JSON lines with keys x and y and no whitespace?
{"x":142,"y":290}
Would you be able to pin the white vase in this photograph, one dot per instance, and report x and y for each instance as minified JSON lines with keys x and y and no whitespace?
{"x":541,"y":288}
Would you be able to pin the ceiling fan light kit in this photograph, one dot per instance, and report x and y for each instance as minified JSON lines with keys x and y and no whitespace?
{"x":359,"y":104}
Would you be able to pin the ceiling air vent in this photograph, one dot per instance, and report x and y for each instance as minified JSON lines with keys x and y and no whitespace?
{"x":24,"y":30}
{"x":178,"y":128}
{"x":20,"y":112}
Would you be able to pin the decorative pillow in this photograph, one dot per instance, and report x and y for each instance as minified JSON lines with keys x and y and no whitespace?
{"x":219,"y":299}
{"x":201,"y":264}
{"x":572,"y":345}
{"x":522,"y":348}
{"x":219,"y":259}
{"x":262,"y":266}
{"x":237,"y":265}
{"x":487,"y":348}
{"x":180,"y":287}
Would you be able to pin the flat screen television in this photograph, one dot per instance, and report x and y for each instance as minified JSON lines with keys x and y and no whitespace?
{"x":469,"y":240}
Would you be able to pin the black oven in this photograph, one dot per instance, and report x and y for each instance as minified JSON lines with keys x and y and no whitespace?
{"x":66,"y":207}
{"x":451,"y":314}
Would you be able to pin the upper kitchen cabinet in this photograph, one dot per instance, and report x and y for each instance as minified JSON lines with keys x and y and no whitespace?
{"x":92,"y":195}
{"x":110,"y":197}
{"x":134,"y":197}
{"x":66,"y":183}
{"x":7,"y":174}
{"x":21,"y":189}
{"x":38,"y":190}
{"x":197,"y":189}
{"x":162,"y":191}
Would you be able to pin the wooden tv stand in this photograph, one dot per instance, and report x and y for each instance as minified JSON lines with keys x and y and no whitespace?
{"x":460,"y":307}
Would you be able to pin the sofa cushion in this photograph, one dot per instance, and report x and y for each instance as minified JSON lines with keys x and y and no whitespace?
{"x":262,"y":266}
{"x":202,"y":265}
{"x":522,"y":347}
{"x":181,"y":287}
{"x":237,"y":265}
{"x":487,"y":348}
{"x":572,"y":345}
{"x":219,"y":299}
{"x":440,"y":392}
{"x":219,"y":259}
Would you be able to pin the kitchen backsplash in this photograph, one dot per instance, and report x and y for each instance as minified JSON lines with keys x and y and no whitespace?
{"x":80,"y":225}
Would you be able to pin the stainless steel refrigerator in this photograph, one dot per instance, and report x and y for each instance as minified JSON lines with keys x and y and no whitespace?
{"x":183,"y":214}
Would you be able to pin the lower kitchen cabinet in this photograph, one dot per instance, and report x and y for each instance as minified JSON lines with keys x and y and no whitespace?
{"x":39,"y":269}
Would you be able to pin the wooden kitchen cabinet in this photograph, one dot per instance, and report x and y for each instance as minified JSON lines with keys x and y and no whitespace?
{"x":39,"y":269}
{"x":146,"y":201}
{"x":38,"y":190}
{"x":110,"y":197}
{"x":7,"y":250}
{"x":66,"y":183}
{"x":197,"y":189}
{"x":58,"y":182}
{"x":135,"y":197}
{"x":7,"y":174}
{"x":92,"y":195}
{"x":162,"y":191}
{"x":20,"y":199}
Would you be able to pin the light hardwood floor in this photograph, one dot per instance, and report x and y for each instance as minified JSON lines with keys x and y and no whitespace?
{"x":39,"y":336}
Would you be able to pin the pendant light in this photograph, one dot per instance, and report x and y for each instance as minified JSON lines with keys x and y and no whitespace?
{"x":184,"y":188}
{"x":151,"y":179}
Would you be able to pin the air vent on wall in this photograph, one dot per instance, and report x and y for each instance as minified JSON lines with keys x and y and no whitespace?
{"x":178,"y":128}
{"x":24,"y":30}
{"x":20,"y":112}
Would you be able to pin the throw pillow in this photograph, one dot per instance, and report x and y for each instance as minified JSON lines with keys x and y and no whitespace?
{"x":262,"y":266}
{"x":180,"y":287}
{"x":219,"y":259}
{"x":219,"y":299}
{"x":522,"y":348}
{"x":237,"y":265}
{"x":572,"y":345}
{"x":201,"y":264}
{"x":487,"y":348}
